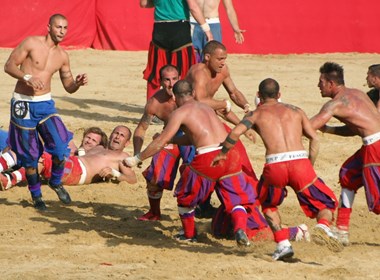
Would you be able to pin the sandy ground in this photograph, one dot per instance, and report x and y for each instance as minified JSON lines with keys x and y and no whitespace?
{"x":98,"y":236}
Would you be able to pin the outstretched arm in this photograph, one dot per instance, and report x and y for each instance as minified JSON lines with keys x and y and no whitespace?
{"x":231,"y":139}
{"x":232,"y":17}
{"x":139,"y":133}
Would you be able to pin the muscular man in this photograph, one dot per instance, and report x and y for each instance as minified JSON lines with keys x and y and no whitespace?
{"x":360,"y":116}
{"x":206,"y":78}
{"x":162,"y":171}
{"x":210,"y":9}
{"x":33,"y":113}
{"x":98,"y":163}
{"x":171,"y":38}
{"x":281,"y":127}
{"x":373,"y":82}
{"x":205,"y":131}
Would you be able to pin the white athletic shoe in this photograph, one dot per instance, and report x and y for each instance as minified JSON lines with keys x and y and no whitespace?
{"x":323,"y":235}
{"x":282,"y":252}
{"x":303,"y":233}
{"x":343,"y":237}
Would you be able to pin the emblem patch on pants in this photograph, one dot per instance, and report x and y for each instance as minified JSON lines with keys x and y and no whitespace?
{"x":20,"y":110}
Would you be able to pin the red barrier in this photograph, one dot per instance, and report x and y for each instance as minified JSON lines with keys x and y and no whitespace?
{"x":273,"y":26}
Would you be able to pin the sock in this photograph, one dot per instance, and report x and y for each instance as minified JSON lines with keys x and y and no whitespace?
{"x":154,"y":204}
{"x":343,"y":218}
{"x":187,"y":218}
{"x":57,"y":170}
{"x":281,"y":235}
{"x":34,"y":184}
{"x":324,"y":222}
{"x":292,"y":233}
{"x":18,"y":176}
{"x":154,"y":198}
{"x":6,"y":161}
{"x":239,"y":218}
{"x":188,"y":225}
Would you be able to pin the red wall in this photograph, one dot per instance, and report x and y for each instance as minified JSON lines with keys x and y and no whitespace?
{"x":273,"y":26}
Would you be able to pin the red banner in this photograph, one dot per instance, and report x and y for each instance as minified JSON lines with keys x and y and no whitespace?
{"x":272,"y":26}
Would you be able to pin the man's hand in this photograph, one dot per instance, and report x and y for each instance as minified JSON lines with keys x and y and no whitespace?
{"x":81,"y":80}
{"x":35,"y":83}
{"x":132,"y":161}
{"x":218,"y":157}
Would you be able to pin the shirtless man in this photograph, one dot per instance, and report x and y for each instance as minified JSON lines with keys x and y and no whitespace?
{"x":281,"y":127}
{"x":10,"y":176}
{"x":360,"y":116}
{"x":33,"y":114}
{"x":97,"y":164}
{"x":162,"y":171}
{"x":206,"y":78}
{"x":205,"y":131}
{"x":210,"y":9}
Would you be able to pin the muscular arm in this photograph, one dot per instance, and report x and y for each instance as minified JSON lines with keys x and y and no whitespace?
{"x":236,"y":95}
{"x":67,"y":78}
{"x":311,"y":134}
{"x":15,"y":59}
{"x":139,"y":133}
{"x":167,"y":134}
{"x":324,"y":115}
{"x":232,"y":138}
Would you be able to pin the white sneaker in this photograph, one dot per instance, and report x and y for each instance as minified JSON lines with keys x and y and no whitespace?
{"x":343,"y":237}
{"x":282,"y":252}
{"x":323,"y":235}
{"x":303,"y":233}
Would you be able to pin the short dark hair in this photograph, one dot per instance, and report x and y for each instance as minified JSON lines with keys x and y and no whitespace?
{"x":99,"y":131}
{"x":167,"y":67}
{"x":213,"y":45}
{"x":374,"y":69}
{"x":182,"y":88}
{"x":55,"y":16}
{"x":269,"y":88}
{"x":333,"y":72}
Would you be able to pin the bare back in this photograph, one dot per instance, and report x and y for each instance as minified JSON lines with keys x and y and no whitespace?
{"x":98,"y":158}
{"x":280,"y":126}
{"x":201,"y":124}
{"x":41,"y":61}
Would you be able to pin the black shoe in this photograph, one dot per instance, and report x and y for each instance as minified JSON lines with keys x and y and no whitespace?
{"x":241,"y":238}
{"x":39,"y":204}
{"x":63,"y":195}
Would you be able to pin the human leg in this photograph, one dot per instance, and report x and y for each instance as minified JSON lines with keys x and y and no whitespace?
{"x":56,"y":140}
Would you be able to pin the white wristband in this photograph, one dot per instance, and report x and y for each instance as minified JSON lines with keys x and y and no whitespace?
{"x":115,"y":173}
{"x":132,"y":161}
{"x":228,"y":106}
{"x":205,"y":27}
{"x":247,"y":108}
